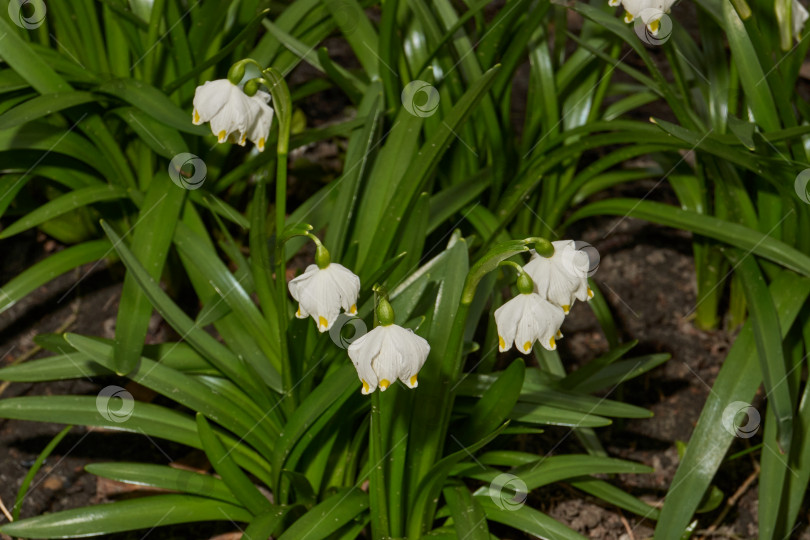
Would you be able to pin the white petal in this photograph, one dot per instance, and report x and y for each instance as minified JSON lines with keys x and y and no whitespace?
{"x":362,"y":352}
{"x":347,"y":284}
{"x":506,"y":319}
{"x":259,"y":130}
{"x":315,"y":292}
{"x":799,"y":15}
{"x":414,"y":351}
{"x":210,"y":98}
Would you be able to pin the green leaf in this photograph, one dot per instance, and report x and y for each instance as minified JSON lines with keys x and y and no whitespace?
{"x":49,"y":268}
{"x":44,"y":105}
{"x":712,"y":227}
{"x":163,"y":477}
{"x":329,"y":516}
{"x":768,"y":336}
{"x":129,"y":515}
{"x":150,"y":245}
{"x":64,"y":204}
{"x":737,"y":382}
{"x":153,"y":102}
{"x":469,"y":519}
{"x":29,"y":477}
{"x":527,"y":519}
{"x":495,"y":405}
{"x":236,"y":480}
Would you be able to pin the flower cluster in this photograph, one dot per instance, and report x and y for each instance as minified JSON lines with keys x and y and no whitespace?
{"x":387,"y":353}
{"x":234,"y":115}
{"x":548,"y":287}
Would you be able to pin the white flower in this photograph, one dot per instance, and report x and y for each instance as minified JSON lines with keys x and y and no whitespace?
{"x":388,"y":353}
{"x":262,"y":120}
{"x":800,"y":15}
{"x":525,"y":319}
{"x":650,"y":11}
{"x":614,"y":3}
{"x":322,"y":292}
{"x":563,"y":277}
{"x":229,"y":110}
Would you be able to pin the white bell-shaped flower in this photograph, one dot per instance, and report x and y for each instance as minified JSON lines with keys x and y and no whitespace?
{"x":526,"y":318}
{"x":387,"y":353}
{"x":614,"y":3}
{"x":650,"y":11}
{"x":323,"y":289}
{"x":259,"y":130}
{"x":563,"y":277}
{"x":799,"y":15}
{"x":229,"y":110}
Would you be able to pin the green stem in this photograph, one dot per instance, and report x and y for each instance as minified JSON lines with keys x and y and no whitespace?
{"x":379,"y":508}
{"x":281,"y":282}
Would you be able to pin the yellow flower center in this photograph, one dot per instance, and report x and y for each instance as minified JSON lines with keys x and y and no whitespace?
{"x":261,"y":144}
{"x":654,"y":25}
{"x":413,"y":380}
{"x":384,"y":384}
{"x":322,"y":322}
{"x":566,"y":308}
{"x":590,"y":293}
{"x":222,"y":135}
{"x":527,"y":346}
{"x":551,"y":342}
{"x":365,"y":386}
{"x":353,"y":310}
{"x":196,"y":117}
{"x":501,"y":342}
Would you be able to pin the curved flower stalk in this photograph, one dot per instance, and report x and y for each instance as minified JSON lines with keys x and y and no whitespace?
{"x":324,"y":289}
{"x":649,"y":11}
{"x":235,"y":113}
{"x":562,"y":277}
{"x":527,"y":318}
{"x":387,"y":353}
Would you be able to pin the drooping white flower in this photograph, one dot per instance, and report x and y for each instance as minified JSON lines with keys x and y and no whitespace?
{"x":321,"y":292}
{"x":262,"y":119}
{"x":650,"y":11}
{"x":229,"y":110}
{"x":799,"y":15}
{"x":563,"y":277}
{"x":387,"y":353}
{"x":526,"y":318}
{"x":614,"y":3}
